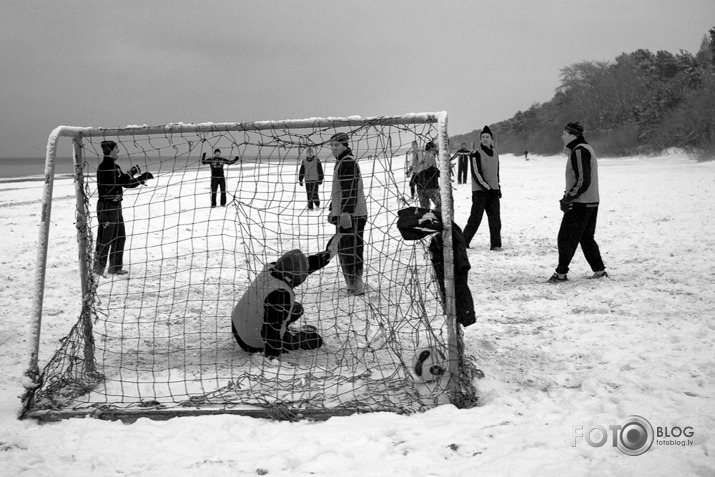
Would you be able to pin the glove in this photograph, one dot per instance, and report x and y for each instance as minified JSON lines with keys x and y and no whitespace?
{"x":134,"y":171}
{"x":297,"y":309}
{"x":145,"y":177}
{"x":300,"y":184}
{"x":345,"y":221}
{"x":566,"y":205}
{"x":498,"y":193}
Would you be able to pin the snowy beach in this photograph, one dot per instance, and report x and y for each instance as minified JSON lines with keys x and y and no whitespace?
{"x":558,"y":359}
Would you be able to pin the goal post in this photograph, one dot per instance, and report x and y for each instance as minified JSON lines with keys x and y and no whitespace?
{"x":159,"y":343}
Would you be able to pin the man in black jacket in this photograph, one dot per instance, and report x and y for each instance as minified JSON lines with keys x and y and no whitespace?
{"x":579,"y":205}
{"x":111,"y":235}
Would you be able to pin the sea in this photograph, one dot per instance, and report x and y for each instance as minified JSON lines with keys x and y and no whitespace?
{"x":16,"y":169}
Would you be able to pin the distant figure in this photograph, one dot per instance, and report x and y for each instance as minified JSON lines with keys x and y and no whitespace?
{"x":462,"y":155}
{"x":486,"y":191}
{"x":217,"y":178}
{"x":348,"y":211}
{"x":427,"y":177}
{"x":413,"y":156}
{"x":111,"y":234}
{"x":579,"y":205}
{"x":311,"y":172}
{"x":526,"y":155}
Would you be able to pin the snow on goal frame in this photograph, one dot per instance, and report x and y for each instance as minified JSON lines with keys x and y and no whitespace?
{"x":158,"y":343}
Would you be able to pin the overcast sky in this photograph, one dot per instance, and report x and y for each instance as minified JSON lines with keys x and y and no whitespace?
{"x":116,"y":63}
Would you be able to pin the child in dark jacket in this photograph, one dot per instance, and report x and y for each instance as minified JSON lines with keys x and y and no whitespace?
{"x":311,"y":172}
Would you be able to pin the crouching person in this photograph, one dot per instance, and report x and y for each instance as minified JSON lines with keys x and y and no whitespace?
{"x":261,"y":320}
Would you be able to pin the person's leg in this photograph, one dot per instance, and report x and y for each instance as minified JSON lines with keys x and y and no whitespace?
{"x":214,"y":189}
{"x":588,"y":242}
{"x":222,"y":185}
{"x":570,"y":232}
{"x":105,"y":233}
{"x":475,"y":216}
{"x":493,"y":210}
{"x":116,"y":254}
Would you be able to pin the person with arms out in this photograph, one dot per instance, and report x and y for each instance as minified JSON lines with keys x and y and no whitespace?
{"x":348,"y":212}
{"x":218,"y":179}
{"x":427,"y":177}
{"x":486,"y":191}
{"x":579,"y":205}
{"x":260,"y":321}
{"x":311,"y":172}
{"x":111,"y":234}
{"x":462,"y":156}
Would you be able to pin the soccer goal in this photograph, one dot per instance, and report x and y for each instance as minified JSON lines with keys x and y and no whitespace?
{"x":158,"y":342}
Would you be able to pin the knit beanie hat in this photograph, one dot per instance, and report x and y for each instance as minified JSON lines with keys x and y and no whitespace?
{"x":340,"y":137}
{"x":574,"y":128}
{"x":293,"y":265}
{"x":486,"y":130}
{"x":108,"y":147}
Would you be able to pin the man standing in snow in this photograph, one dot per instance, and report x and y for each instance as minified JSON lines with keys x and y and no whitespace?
{"x":111,"y":235}
{"x":311,"y":172}
{"x":486,"y":191}
{"x":348,"y":211}
{"x":462,"y":156}
{"x":217,"y":177}
{"x":579,"y":205}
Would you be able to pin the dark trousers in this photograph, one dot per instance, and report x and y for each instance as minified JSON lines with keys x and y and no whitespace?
{"x":217,"y":182}
{"x":111,"y":236}
{"x":462,"y":170}
{"x":484,"y":201}
{"x":311,"y":190}
{"x":351,"y":247}
{"x":578,"y":227}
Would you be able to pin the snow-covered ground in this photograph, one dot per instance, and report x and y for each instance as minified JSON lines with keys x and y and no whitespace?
{"x":559,"y":359}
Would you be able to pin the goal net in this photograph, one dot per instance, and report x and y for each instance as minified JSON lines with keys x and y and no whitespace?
{"x":158,"y":341}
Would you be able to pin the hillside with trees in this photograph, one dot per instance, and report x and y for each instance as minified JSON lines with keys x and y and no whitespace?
{"x":639,"y":103}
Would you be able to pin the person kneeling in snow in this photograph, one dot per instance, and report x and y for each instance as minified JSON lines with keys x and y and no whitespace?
{"x":261,"y":319}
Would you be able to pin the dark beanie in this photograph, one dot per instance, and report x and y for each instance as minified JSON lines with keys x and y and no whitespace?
{"x":108,"y":147}
{"x":574,"y":128}
{"x":293,"y":265}
{"x":340,"y":137}
{"x":486,"y":130}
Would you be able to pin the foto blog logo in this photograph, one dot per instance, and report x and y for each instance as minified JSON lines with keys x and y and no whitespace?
{"x":632,"y":436}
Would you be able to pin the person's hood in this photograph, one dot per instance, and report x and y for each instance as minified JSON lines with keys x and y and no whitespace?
{"x":292,"y":265}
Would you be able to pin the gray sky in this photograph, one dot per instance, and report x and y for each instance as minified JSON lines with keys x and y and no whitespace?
{"x":116,"y":63}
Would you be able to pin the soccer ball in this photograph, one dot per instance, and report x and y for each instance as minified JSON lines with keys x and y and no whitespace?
{"x":429,"y":364}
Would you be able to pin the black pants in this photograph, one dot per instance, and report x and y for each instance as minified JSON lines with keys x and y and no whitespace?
{"x":311,"y":190}
{"x":111,"y":237}
{"x":292,"y":340}
{"x":578,"y":227}
{"x":462,"y":170}
{"x":217,"y":182}
{"x":351,"y":247}
{"x":484,"y":201}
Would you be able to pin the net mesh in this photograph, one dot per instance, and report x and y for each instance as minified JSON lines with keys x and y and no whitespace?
{"x":160,"y":337}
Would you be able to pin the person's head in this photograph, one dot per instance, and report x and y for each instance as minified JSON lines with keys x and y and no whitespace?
{"x":486,"y":137}
{"x":309,"y":153}
{"x":293,"y":267}
{"x":217,"y":152}
{"x":572,"y":131}
{"x":110,"y":148}
{"x":431,"y":146}
{"x":464,"y":145}
{"x":339,"y":143}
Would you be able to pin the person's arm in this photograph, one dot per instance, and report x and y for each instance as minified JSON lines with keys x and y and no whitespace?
{"x":276,"y":311}
{"x":581,"y":164}
{"x":321,"y":176}
{"x":301,"y":174}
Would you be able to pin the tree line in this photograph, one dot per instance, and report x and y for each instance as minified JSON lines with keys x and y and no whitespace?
{"x":639,"y":103}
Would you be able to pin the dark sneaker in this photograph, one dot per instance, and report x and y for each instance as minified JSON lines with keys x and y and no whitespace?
{"x":496,"y":249}
{"x":597,"y":275}
{"x":555,"y":278}
{"x":118,"y":272}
